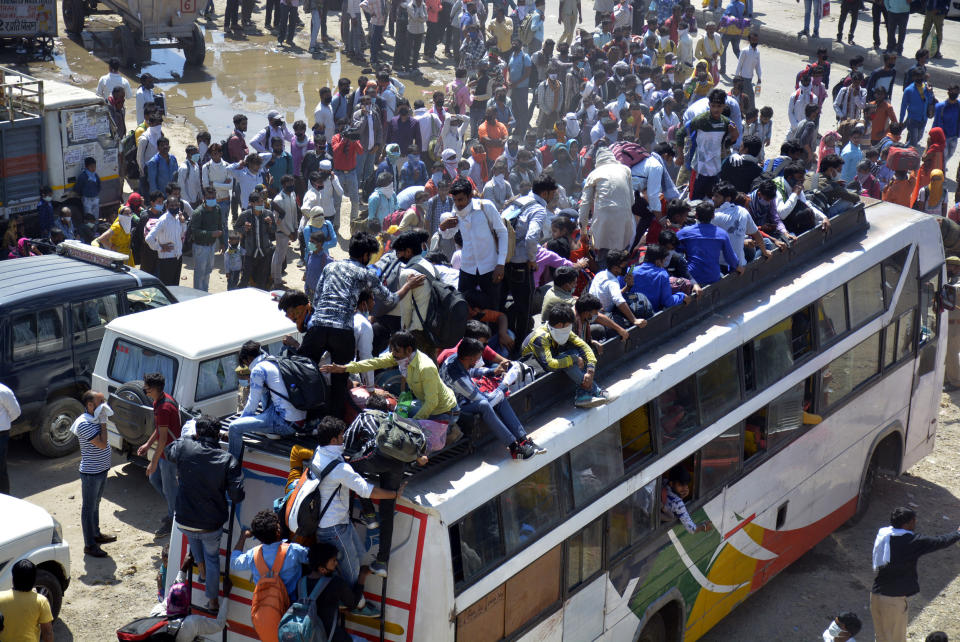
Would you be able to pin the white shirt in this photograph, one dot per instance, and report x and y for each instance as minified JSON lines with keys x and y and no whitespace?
{"x":363,"y":338}
{"x":108,"y":81}
{"x":748,"y":64}
{"x":452,"y":137}
{"x":216,"y":175}
{"x":341,"y":480}
{"x":144,"y":96}
{"x":9,"y":408}
{"x":265,"y":376}
{"x":662,"y":122}
{"x":482,"y":252}
{"x":798,"y":102}
{"x":850,"y":102}
{"x":188,"y":178}
{"x":323,"y":116}
{"x":686,"y":47}
{"x":430,"y":125}
{"x":168,"y":229}
{"x":737,"y":223}
{"x":259,"y":142}
{"x":607,"y":288}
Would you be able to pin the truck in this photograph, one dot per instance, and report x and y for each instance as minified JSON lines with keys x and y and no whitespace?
{"x":30,"y":23}
{"x":47,"y":128}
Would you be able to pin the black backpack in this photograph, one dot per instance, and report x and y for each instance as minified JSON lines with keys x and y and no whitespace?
{"x":154,"y":629}
{"x":446,"y":316}
{"x":306,"y":388}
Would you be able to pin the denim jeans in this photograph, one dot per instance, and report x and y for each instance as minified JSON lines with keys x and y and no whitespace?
{"x":91,"y":490}
{"x":314,"y":27}
{"x":202,"y":265}
{"x":575,"y":372}
{"x":233,"y":280}
{"x":347,"y":540}
{"x":915,"y":131}
{"x":164,"y":479}
{"x":501,"y":419}
{"x":839,"y":207}
{"x":4,"y":475}
{"x":816,"y":7}
{"x":348,"y":180}
{"x":205,"y":547}
{"x":268,"y":421}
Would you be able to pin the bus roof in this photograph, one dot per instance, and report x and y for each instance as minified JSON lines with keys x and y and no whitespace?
{"x":244,"y":315}
{"x":452,"y":491}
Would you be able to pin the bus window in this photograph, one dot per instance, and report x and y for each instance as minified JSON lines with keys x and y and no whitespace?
{"x":929,"y":318}
{"x":785,"y":417}
{"x":865,"y":295}
{"x":635,"y":442}
{"x":475,"y":542}
{"x":666,"y":514}
{"x":889,"y":345}
{"x":776,"y":350}
{"x":892,"y":269}
{"x":595,"y":465}
{"x":532,"y":506}
{"x":850,"y":369}
{"x":831,"y":316}
{"x":755,"y":435}
{"x":719,"y":461}
{"x":905,"y":335}
{"x":719,"y":387}
{"x":584,"y":554}
{"x":631,"y":520}
{"x":677,"y":413}
{"x":910,"y":291}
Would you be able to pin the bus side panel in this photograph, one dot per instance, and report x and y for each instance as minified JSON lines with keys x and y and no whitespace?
{"x":550,"y":630}
{"x":583,"y":612}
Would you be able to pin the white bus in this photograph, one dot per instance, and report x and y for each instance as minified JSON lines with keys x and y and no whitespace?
{"x":783,"y":404}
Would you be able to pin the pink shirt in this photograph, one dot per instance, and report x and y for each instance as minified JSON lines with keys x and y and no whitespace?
{"x":547,"y":259}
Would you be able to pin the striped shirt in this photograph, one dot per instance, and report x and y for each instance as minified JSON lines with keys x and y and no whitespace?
{"x":93,"y":460}
{"x":336,"y":293}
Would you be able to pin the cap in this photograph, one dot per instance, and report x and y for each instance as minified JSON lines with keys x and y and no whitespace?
{"x":274,"y":114}
{"x":145,"y":75}
{"x":326,"y":165}
{"x":953,"y":260}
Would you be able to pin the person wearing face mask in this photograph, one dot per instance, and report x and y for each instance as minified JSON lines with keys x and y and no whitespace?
{"x":206,"y":228}
{"x":414,"y":171}
{"x":45,"y":217}
{"x":440,"y":202}
{"x":549,"y":99}
{"x":147,"y":147}
{"x":391,"y":165}
{"x":403,"y":131}
{"x":145,"y":94}
{"x":557,"y":349}
{"x":286,"y":213}
{"x":188,"y":177}
{"x":383,"y":201}
{"x":608,"y":287}
{"x":145,"y":255}
{"x":484,"y":241}
{"x":846,"y":625}
{"x":214,"y":174}
{"x":65,"y":224}
{"x":453,"y":133}
{"x":118,"y":235}
{"x":498,"y":190}
{"x":167,"y":239}
{"x":257,"y":232}
{"x":162,"y":168}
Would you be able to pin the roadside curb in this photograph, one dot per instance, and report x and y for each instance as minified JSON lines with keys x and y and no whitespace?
{"x":839,"y":53}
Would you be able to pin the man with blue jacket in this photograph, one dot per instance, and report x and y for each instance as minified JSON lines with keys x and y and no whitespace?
{"x":917,"y":105}
{"x":946,"y":116}
{"x":651,"y":280}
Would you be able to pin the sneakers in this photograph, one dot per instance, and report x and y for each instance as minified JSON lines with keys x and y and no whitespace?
{"x":586,"y":399}
{"x":370,"y":520}
{"x":367,"y":610}
{"x":378,"y":568}
{"x":525,"y":449}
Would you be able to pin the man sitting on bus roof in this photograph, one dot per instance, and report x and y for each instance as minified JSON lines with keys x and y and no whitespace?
{"x":557,"y":348}
{"x":678,"y":488}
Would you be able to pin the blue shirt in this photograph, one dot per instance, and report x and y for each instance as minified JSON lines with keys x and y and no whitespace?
{"x":702,"y":244}
{"x":45,"y":218}
{"x":290,"y":572}
{"x":654,"y":283}
{"x":851,"y":155}
{"x":914,"y":103}
{"x":897,"y":6}
{"x":518,"y":65}
{"x":88,"y":184}
{"x":160,"y":171}
{"x":946,"y":116}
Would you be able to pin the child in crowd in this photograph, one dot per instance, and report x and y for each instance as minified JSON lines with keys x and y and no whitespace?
{"x":88,"y":186}
{"x":233,"y":260}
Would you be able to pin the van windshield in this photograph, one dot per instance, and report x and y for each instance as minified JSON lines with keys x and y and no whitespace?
{"x":130,"y":362}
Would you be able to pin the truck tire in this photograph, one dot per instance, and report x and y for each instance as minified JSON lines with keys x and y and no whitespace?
{"x":52,"y":438}
{"x":49,"y":586}
{"x":194,"y":47}
{"x":654,"y":631}
{"x":125,"y":45}
{"x":73,"y":15}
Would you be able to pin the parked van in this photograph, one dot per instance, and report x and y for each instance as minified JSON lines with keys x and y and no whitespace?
{"x":194,"y":345}
{"x":53,"y":311}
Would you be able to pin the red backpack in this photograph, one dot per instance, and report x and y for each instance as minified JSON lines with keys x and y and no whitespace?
{"x":393,"y":218}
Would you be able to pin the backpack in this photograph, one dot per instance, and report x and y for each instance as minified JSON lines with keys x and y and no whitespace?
{"x":300,"y":623}
{"x":628,"y":153}
{"x":152,"y":629}
{"x":299,"y":510}
{"x":393,"y":218}
{"x":225,"y":149}
{"x":446,"y":314}
{"x":360,"y":438}
{"x":525,"y":32}
{"x":306,"y":388}
{"x":128,"y":147}
{"x":270,"y":599}
{"x":400,"y":438}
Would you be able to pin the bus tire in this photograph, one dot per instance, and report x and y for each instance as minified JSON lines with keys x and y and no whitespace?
{"x":866,"y":491}
{"x":654,"y":631}
{"x":52,"y":438}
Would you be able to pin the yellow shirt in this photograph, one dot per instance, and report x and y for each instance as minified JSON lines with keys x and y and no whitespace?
{"x":23,"y":614}
{"x":503,"y":32}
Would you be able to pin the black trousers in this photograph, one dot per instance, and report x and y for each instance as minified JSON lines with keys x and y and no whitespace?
{"x":4,"y":476}
{"x":853,"y":12}
{"x":390,"y":472}
{"x":416,"y":39}
{"x":482,"y":282}
{"x":168,"y":271}
{"x":339,"y":342}
{"x":879,"y":12}
{"x":256,"y":271}
{"x":519,"y":284}
{"x":231,"y":18}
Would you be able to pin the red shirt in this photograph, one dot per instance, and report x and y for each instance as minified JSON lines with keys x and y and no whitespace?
{"x":345,"y":153}
{"x":166,"y":413}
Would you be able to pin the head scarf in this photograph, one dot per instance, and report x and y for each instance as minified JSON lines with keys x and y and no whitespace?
{"x":449,"y":158}
{"x":935,"y":191}
{"x":393,"y":153}
{"x":827,"y":148}
{"x":572,"y":125}
{"x":937,"y":140}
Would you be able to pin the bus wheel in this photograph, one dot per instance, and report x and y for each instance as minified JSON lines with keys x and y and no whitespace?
{"x":866,"y":491}
{"x":654,"y":631}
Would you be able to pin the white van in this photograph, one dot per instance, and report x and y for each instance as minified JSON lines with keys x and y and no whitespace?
{"x":194,"y":345}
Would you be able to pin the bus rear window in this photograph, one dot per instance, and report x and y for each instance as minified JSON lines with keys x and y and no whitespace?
{"x":130,"y":362}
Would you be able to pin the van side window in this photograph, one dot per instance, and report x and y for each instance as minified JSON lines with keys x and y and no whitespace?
{"x":37,"y":333}
{"x":90,"y":318}
{"x":146,"y":299}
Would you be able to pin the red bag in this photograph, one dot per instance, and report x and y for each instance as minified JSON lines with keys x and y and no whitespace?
{"x":903,"y":159}
{"x":393,"y":218}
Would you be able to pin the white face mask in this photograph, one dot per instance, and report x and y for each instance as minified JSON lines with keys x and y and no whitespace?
{"x":560,"y":335}
{"x":552,"y":76}
{"x":832,"y":632}
{"x":48,"y":199}
{"x":387,"y":190}
{"x":402,"y":364}
{"x":448,"y":233}
{"x":154,"y":130}
{"x":203,"y":149}
{"x":125,"y":221}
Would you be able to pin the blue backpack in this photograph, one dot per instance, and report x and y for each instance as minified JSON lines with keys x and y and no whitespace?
{"x":300,"y":623}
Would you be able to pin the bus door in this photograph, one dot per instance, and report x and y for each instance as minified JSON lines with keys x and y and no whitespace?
{"x":928,"y":366}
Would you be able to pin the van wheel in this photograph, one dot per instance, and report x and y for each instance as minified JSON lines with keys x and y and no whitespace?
{"x":52,"y":438}
{"x":48,"y":586}
{"x":654,"y":631}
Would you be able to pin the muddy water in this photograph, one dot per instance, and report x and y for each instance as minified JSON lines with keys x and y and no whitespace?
{"x":247,"y":74}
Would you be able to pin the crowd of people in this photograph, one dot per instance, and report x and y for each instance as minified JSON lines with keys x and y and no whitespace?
{"x":555,"y":195}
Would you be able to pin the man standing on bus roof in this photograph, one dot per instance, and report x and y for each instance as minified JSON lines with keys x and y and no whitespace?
{"x":896,"y":550}
{"x":678,"y":488}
